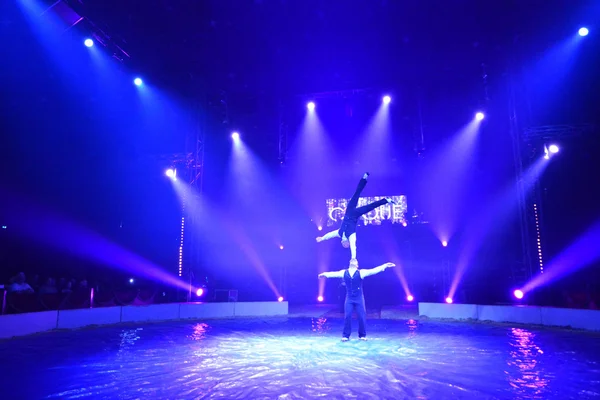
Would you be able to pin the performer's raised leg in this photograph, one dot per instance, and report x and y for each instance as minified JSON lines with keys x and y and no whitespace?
{"x":354,"y":200}
{"x":370,"y":207}
{"x":329,"y":235}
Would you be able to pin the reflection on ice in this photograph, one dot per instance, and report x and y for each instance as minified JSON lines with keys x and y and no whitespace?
{"x":298,"y":358}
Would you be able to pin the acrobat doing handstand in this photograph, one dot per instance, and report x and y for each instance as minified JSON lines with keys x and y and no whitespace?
{"x":347,"y":232}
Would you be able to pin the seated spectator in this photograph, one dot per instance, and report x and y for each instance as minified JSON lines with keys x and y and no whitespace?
{"x":19,"y":285}
{"x":49,"y":287}
{"x":68,"y":288}
{"x":35,"y":282}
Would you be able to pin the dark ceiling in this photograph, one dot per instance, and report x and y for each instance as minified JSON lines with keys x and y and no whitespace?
{"x":316,"y":45}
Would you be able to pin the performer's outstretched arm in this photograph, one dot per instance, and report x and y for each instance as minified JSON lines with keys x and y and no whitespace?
{"x":368,"y":272}
{"x":333,"y":274}
{"x":329,"y":235}
{"x":352,"y":240}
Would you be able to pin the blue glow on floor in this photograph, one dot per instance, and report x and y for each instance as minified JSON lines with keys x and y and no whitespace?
{"x":300,"y":358}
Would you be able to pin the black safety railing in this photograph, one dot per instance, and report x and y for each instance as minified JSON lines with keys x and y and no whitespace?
{"x":16,"y":303}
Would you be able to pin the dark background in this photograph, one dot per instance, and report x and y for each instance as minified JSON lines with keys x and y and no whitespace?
{"x":76,"y":136}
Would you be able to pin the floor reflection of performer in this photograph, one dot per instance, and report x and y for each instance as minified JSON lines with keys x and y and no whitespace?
{"x":348,"y":229}
{"x":355,"y":300}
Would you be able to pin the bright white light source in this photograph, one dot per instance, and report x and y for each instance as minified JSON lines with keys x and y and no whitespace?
{"x":88,"y":42}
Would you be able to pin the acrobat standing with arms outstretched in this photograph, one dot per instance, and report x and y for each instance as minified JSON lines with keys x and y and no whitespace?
{"x":348,"y":229}
{"x":355,"y":299}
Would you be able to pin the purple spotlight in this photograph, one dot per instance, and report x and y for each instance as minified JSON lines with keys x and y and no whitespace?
{"x":280,"y":299}
{"x":88,"y":42}
{"x":320,"y":228}
{"x":320,"y":299}
{"x":479,"y":116}
{"x":583,"y":31}
{"x":235,"y":136}
{"x":137,"y":82}
{"x":553,"y":149}
{"x":449,"y":300}
{"x":171,"y":173}
{"x":387,"y":99}
{"x":444,"y":243}
{"x":518,"y":294}
{"x":199,"y":292}
{"x":310,"y":106}
{"x":280,"y":247}
{"x":410,"y":297}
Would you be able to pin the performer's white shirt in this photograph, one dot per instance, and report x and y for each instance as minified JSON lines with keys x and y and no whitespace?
{"x":363,"y":272}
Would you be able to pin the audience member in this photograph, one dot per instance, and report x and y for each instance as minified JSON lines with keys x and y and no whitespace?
{"x":18,"y":284}
{"x":67,"y":288}
{"x":49,"y":287}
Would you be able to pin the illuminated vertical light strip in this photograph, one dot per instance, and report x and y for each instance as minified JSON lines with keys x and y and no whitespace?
{"x":181,"y":247}
{"x":539,"y":237}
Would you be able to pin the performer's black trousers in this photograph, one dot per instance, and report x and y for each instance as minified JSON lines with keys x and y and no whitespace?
{"x":355,"y":303}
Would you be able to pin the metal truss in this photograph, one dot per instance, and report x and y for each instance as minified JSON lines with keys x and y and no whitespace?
{"x":194,"y":166}
{"x":338,"y":94}
{"x":521,"y":268}
{"x":554,"y":132}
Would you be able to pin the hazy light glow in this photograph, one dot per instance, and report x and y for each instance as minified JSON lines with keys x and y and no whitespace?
{"x":518,"y":294}
{"x":582,"y":252}
{"x":131,"y":280}
{"x":137,"y":82}
{"x":199,"y":292}
{"x":479,"y":116}
{"x":410,"y":297}
{"x":320,"y":228}
{"x":449,"y":300}
{"x":235,"y":136}
{"x":280,"y":299}
{"x":583,"y":31}
{"x":40,"y":225}
{"x":310,"y":106}
{"x":444,"y":243}
{"x":490,"y":217}
{"x":553,"y":148}
{"x":320,"y":299}
{"x":387,"y":99}
{"x":88,"y":42}
{"x":171,"y":173}
{"x":281,"y":247}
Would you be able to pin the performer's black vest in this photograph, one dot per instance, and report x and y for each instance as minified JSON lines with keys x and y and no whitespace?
{"x":353,"y":284}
